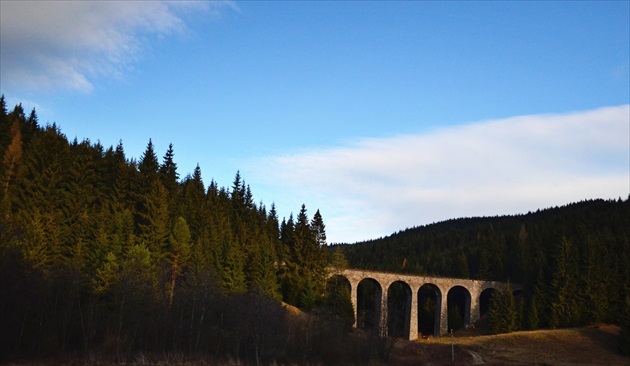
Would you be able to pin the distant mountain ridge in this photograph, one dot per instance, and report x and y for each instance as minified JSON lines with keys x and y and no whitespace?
{"x":573,"y":261}
{"x":410,"y":250}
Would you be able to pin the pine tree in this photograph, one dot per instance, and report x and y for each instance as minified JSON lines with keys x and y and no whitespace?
{"x":5,"y":130}
{"x":154,"y":220}
{"x":12,"y":157}
{"x":262,"y":271}
{"x":288,"y":271}
{"x":169,"y":175}
{"x":593,"y":282}
{"x":461,"y":267}
{"x":233,"y":278}
{"x":564,"y":304}
{"x":539,"y":303}
{"x":108,"y":276}
{"x":319,"y":253}
{"x":309,"y":294}
{"x":532,"y":320}
{"x":3,"y":107}
{"x":502,"y":315}
{"x":509,"y":311}
{"x":149,"y":165}
{"x":494,"y":313}
{"x":179,"y":241}
{"x":338,"y":260}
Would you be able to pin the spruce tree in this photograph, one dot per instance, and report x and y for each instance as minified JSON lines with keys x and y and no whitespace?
{"x":532,"y":320}
{"x":261,"y":269}
{"x":179,"y":241}
{"x":564,"y":291}
{"x":509,"y":311}
{"x":233,"y":278}
{"x":168,"y":173}
{"x":502,"y":315}
{"x":149,"y":165}
{"x":3,"y":108}
{"x":495,"y":325}
{"x":12,"y":157}
{"x":154,"y":220}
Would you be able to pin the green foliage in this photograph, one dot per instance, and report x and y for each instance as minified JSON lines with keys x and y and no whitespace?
{"x":303,"y":273}
{"x":503,"y":315}
{"x":564,"y":287}
{"x":532,"y":319}
{"x":573,"y":261}
{"x":98,"y":250}
{"x":337,"y":302}
{"x":110,"y":252}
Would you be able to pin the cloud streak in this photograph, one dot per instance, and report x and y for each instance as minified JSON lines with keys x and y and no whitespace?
{"x":64,"y":45}
{"x":376,"y":186}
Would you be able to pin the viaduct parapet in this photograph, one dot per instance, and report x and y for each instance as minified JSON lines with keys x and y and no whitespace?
{"x":412,"y":284}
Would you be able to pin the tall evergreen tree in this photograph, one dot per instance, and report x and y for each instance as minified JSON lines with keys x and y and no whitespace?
{"x":262,"y":269}
{"x":169,"y":174}
{"x":149,"y":165}
{"x":233,"y":278}
{"x":564,"y":309}
{"x":503,"y":316}
{"x":593,"y":282}
{"x":3,"y":107}
{"x":12,"y":157}
{"x":154,"y":224}
{"x":179,"y":241}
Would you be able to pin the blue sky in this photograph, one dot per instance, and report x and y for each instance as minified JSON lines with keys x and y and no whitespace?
{"x":383,"y":115}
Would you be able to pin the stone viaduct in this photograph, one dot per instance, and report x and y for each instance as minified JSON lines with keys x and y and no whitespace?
{"x":472,"y":290}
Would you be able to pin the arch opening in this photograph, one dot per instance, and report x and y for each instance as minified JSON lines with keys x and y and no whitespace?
{"x":458,"y":304}
{"x":429,"y":300}
{"x":369,"y":295}
{"x":338,"y":300}
{"x":398,"y":310}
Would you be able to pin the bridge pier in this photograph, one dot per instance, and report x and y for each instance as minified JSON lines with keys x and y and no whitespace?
{"x":382,"y":328}
{"x":442,"y":324}
{"x":443,"y":286}
{"x":354,"y":298}
{"x":413,"y":316}
{"x":475,"y":307}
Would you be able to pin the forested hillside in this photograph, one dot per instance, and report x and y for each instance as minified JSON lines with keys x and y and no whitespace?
{"x":106,"y":255}
{"x":103,"y":253}
{"x":573,"y":261}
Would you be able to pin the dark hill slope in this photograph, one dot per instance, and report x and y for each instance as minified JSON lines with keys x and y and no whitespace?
{"x":500,"y":247}
{"x":574,"y":261}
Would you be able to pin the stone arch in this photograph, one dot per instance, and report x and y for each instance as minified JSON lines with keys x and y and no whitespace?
{"x":458,"y":305}
{"x":429,"y":309}
{"x":338,"y":282}
{"x":399,"y":296}
{"x":369,"y":305}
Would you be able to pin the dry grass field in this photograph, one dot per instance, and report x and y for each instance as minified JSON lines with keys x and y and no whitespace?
{"x":594,"y":345}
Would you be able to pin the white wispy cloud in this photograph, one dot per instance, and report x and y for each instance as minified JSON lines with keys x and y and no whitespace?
{"x":65,"y":44}
{"x":376,"y":186}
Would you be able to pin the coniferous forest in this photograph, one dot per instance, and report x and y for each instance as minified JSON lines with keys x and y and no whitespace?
{"x":107,"y":257}
{"x":104,"y":256}
{"x":573,"y":262}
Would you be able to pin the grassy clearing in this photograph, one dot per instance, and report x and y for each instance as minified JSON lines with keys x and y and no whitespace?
{"x":594,"y":345}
